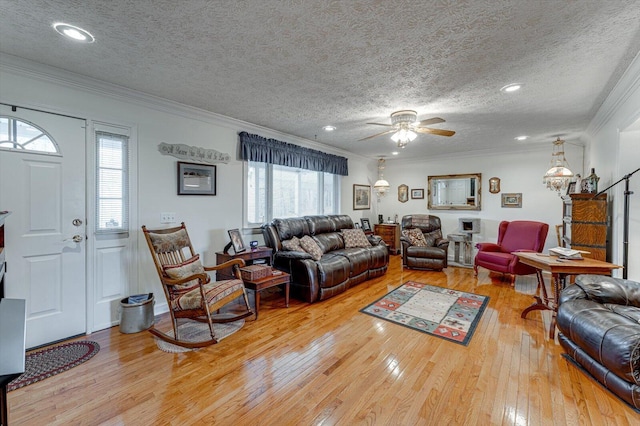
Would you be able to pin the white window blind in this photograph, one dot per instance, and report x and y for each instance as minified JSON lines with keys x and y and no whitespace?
{"x":112,"y":207}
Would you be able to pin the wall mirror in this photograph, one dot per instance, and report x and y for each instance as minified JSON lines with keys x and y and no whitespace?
{"x":454,"y":192}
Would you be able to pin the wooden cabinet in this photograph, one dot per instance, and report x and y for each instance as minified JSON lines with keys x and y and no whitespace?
{"x":3,"y":266}
{"x":584,"y":224}
{"x":390,"y":234}
{"x":250,"y":257}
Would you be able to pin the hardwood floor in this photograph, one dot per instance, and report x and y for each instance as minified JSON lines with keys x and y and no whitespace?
{"x":329,"y":364}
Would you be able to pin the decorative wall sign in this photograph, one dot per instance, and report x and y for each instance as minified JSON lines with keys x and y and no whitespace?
{"x":193,"y":153}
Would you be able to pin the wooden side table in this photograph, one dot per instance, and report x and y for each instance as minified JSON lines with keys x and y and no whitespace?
{"x":560,"y":269}
{"x":390,"y":234}
{"x":249,"y":256}
{"x":278,"y":278}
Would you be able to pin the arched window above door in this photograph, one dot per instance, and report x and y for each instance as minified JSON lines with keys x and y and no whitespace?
{"x":20,"y":135}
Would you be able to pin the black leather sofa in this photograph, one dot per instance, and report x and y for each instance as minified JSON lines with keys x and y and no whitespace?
{"x":599,"y":323}
{"x":338,"y":269}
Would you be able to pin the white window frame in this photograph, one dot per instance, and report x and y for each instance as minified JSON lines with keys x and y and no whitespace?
{"x":269,"y":195}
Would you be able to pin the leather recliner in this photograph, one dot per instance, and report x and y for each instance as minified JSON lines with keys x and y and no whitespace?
{"x":338,"y":268}
{"x":434,"y":255}
{"x":599,"y":322}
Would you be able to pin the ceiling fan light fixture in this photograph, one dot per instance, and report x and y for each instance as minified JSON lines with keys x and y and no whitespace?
{"x":404,"y":135}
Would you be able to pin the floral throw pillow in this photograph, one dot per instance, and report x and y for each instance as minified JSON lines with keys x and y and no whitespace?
{"x":415,"y":236}
{"x":292,"y":245}
{"x":354,"y":238}
{"x":183,"y":270}
{"x":310,"y":246}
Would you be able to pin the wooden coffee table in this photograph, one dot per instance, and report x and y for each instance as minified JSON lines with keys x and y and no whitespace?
{"x":560,"y":269}
{"x":278,"y":278}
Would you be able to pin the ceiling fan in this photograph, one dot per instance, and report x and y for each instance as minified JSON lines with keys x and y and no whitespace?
{"x":405,"y":126}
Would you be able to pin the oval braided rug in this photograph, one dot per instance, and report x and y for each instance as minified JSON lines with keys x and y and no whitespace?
{"x":54,"y":360}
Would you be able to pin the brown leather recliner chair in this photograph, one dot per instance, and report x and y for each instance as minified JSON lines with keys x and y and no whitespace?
{"x":431,"y":256}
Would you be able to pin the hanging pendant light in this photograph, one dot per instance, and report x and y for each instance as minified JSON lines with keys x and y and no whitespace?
{"x":381,"y":186}
{"x":559,"y":175}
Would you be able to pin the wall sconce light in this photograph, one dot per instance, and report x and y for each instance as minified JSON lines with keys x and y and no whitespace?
{"x":381,"y":186}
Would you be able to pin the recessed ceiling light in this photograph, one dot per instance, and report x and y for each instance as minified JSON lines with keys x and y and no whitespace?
{"x":510,"y":88}
{"x":394,"y":153}
{"x":521,"y":138}
{"x":329,"y":128}
{"x":73,"y":32}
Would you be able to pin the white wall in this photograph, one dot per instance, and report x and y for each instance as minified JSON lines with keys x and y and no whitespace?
{"x":614,"y":136}
{"x":518,"y":172}
{"x":208,"y":218}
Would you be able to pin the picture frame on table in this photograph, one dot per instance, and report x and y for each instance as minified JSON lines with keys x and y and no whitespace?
{"x":366,"y":225}
{"x":417,"y":194}
{"x":196,"y":179}
{"x":236,"y":240}
{"x":361,"y":197}
{"x":571,"y":189}
{"x":512,"y":199}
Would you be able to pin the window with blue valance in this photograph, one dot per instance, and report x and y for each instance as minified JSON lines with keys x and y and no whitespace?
{"x":272,"y":151}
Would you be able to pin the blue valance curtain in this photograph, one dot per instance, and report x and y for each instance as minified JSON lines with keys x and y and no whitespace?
{"x":263,"y":150}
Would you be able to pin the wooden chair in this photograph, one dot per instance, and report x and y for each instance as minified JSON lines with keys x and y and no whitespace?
{"x":188,"y":288}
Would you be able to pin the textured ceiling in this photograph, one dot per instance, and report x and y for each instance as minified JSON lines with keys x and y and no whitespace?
{"x":297,"y":65}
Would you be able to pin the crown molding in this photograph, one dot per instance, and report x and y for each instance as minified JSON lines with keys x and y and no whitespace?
{"x":621,"y":92}
{"x":23,"y":67}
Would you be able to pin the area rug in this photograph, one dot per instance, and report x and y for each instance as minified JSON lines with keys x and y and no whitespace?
{"x":441,"y":312}
{"x":193,"y":331}
{"x":54,"y":360}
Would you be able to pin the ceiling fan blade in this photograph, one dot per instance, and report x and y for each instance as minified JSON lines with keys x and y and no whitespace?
{"x":378,"y":134}
{"x":439,"y":132}
{"x":428,"y":121}
{"x":381,"y":124}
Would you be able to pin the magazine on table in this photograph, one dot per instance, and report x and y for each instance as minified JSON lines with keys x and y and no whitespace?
{"x":567,"y":253}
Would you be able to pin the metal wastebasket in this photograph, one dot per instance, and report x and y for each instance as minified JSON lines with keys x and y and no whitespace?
{"x":136,"y":313}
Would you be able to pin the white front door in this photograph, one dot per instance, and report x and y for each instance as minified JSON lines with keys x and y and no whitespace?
{"x":45,"y":234}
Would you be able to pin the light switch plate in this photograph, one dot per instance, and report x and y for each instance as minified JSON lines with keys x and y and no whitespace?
{"x":167,"y":217}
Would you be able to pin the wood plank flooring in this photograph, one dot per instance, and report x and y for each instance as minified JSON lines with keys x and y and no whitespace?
{"x":329,"y":364}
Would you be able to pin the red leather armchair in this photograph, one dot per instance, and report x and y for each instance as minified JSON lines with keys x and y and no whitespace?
{"x":518,"y":235}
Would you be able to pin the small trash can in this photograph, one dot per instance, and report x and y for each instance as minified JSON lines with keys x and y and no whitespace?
{"x":136,"y":313}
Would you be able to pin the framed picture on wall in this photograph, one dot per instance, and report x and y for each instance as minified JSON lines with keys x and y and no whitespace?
{"x":513,"y":199}
{"x":417,"y":194}
{"x":196,"y":179}
{"x":361,"y":197}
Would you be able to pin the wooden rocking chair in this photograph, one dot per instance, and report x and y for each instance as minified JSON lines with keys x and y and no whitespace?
{"x":188,"y":288}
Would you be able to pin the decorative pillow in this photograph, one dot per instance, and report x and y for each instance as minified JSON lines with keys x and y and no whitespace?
{"x":416,"y":237}
{"x":292,"y":245}
{"x":354,"y":238}
{"x":183,"y":270}
{"x":309,"y":245}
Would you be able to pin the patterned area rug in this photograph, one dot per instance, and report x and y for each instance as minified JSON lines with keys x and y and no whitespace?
{"x":193,"y":331}
{"x":442,"y":312}
{"x":54,"y":360}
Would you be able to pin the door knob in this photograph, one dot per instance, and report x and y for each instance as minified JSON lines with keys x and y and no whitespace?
{"x":75,"y":239}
